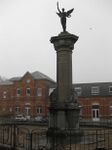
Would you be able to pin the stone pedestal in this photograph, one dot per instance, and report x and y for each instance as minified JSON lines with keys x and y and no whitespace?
{"x":64,"y":109}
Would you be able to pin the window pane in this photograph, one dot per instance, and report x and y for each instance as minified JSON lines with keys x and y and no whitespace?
{"x":39,"y":109}
{"x":39,"y":92}
{"x":27,"y":110}
{"x":97,"y":113}
{"x":94,"y":90}
{"x":17,"y":109}
{"x":18,"y":92}
{"x":4,"y":94}
{"x":78,"y":91}
{"x":110,"y":110}
{"x":93,"y":113}
{"x":27,"y":91}
{"x":110,"y":88}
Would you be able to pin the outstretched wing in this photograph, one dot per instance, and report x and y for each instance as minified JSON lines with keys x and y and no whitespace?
{"x":69,"y":12}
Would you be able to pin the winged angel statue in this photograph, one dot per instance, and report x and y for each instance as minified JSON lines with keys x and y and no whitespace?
{"x":63,"y":15}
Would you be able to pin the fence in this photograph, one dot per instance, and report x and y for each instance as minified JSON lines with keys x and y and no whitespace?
{"x":18,"y":137}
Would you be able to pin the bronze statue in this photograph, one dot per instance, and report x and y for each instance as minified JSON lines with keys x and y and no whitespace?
{"x":63,"y":15}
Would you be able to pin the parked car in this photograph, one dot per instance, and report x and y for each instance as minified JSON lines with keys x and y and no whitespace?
{"x":28,"y":117}
{"x":20,"y":118}
{"x":41,"y":119}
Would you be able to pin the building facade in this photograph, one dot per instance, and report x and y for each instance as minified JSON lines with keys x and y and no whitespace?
{"x":27,"y":95}
{"x":95,"y":100}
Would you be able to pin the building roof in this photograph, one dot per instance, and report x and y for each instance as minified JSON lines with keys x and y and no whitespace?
{"x":36,"y":76}
{"x":15,"y":79}
{"x":86,"y":89}
{"x":6,"y":82}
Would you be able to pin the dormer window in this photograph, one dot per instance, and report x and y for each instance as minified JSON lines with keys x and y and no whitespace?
{"x":94,"y":90}
{"x":110,"y":89}
{"x":78,"y":90}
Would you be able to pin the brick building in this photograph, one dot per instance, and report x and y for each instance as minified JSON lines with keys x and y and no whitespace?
{"x":27,"y":95}
{"x":95,"y":100}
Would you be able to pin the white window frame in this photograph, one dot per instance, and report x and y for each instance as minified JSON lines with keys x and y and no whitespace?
{"x":95,"y":112}
{"x":95,"y":90}
{"x":39,"y":109}
{"x":27,"y":110}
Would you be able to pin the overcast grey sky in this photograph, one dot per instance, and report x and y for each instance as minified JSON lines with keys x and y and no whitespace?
{"x":26,"y":27}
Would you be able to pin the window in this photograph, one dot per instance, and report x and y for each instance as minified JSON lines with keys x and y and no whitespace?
{"x":95,"y":112}
{"x":95,"y":90}
{"x":39,"y":109}
{"x":4,"y":94}
{"x":28,"y":81}
{"x":17,"y":109}
{"x":39,"y":92}
{"x":27,"y":91}
{"x":110,"y":89}
{"x":27,"y":110}
{"x":18,"y":92}
{"x":10,"y":109}
{"x":78,"y":90}
{"x":110,"y":110}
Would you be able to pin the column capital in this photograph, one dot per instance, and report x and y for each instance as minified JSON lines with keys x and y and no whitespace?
{"x":64,"y":40}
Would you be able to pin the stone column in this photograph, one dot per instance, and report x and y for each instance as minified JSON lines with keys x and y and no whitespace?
{"x":64,"y":109}
{"x":64,"y":44}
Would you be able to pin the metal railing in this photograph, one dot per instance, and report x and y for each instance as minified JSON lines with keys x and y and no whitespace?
{"x":18,"y":137}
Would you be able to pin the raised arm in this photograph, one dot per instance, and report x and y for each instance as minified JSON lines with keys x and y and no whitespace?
{"x":58,"y":7}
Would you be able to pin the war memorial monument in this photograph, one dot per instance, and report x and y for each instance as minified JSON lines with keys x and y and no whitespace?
{"x":64,"y":109}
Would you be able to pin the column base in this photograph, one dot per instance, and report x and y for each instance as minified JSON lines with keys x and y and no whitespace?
{"x":57,"y":137}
